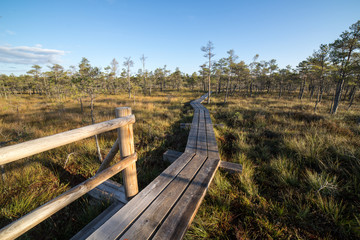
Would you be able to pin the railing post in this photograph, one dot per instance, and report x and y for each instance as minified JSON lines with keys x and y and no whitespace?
{"x":126,"y":146}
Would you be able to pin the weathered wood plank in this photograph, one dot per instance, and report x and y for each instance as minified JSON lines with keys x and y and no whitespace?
{"x":213,"y":151}
{"x":201,"y":145}
{"x":126,"y":146}
{"x":185,"y":125}
{"x":23,"y":224}
{"x":171,"y":155}
{"x":109,"y":190}
{"x":231,"y":167}
{"x":115,"y":225}
{"x":98,"y":221}
{"x":142,"y":216}
{"x":29,"y":148}
{"x":191,"y":142}
{"x":152,"y":217}
{"x":181,"y":216}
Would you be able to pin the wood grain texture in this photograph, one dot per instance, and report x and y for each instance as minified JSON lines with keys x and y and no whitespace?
{"x":177,"y":222}
{"x":119,"y":222}
{"x":213,"y":151}
{"x":154,"y":214}
{"x":98,"y":221}
{"x":109,"y":157}
{"x":201,"y":145}
{"x":110,"y":191}
{"x":192,"y":138}
{"x":231,"y":167}
{"x":171,"y":155}
{"x":23,"y":224}
{"x":126,"y":146}
{"x":29,"y":148}
{"x":166,"y":207}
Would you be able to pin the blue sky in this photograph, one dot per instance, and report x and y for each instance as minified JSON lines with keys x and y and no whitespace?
{"x":166,"y":32}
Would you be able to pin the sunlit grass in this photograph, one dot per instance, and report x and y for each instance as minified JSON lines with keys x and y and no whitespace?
{"x":40,"y":178}
{"x":300,"y":177}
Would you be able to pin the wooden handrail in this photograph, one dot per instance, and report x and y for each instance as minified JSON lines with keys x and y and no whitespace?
{"x":38,"y":215}
{"x":29,"y":148}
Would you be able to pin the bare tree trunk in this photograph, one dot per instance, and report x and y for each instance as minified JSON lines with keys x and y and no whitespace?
{"x":302,"y":88}
{"x":312,"y":88}
{"x":332,"y":101}
{"x":93,"y":121}
{"x":346,"y":92}
{"x":129,"y":87}
{"x":150,"y":87}
{"x":251,"y":87}
{"x":280,"y":89}
{"x":352,"y":96}
{"x":351,"y":92}
{"x":219,"y":88}
{"x":317,"y":100}
{"x":227,"y":89}
{"x":337,"y":97}
{"x":81,"y":105}
{"x":321,"y":92}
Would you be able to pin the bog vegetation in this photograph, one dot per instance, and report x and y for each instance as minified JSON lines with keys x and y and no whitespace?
{"x":294,"y":130}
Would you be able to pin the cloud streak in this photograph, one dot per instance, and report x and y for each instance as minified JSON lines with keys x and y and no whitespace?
{"x":29,"y":55}
{"x":10,"y":32}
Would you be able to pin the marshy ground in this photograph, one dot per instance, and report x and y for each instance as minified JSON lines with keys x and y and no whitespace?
{"x":300,"y":179}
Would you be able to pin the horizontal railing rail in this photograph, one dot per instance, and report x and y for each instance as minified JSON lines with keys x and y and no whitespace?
{"x":29,"y":148}
{"x":30,"y":220}
{"x":125,"y":143}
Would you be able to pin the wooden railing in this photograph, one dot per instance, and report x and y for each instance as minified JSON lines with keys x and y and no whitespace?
{"x":125,"y":142}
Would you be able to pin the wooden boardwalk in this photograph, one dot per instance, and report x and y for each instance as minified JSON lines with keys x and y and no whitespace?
{"x":167,"y":206}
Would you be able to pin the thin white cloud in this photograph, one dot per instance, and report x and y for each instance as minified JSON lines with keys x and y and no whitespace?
{"x":10,"y":32}
{"x":29,"y":55}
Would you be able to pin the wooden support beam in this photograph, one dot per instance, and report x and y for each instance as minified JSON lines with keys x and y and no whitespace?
{"x":231,"y":167}
{"x":110,"y":156}
{"x":109,"y":191}
{"x":126,"y":146}
{"x":171,"y":155}
{"x":185,"y":125}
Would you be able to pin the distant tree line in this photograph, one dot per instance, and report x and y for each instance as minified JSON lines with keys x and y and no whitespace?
{"x":333,"y":69}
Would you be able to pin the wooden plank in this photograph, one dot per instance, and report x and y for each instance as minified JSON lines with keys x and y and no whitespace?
{"x":98,"y":221}
{"x":25,"y":223}
{"x":185,"y":125}
{"x":231,"y":167}
{"x":152,"y":217}
{"x":109,"y":190}
{"x":29,"y":148}
{"x":201,"y":145}
{"x":213,"y":151}
{"x":198,"y":106}
{"x":123,"y":218}
{"x":191,"y":142}
{"x":171,"y":155}
{"x":181,"y":216}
